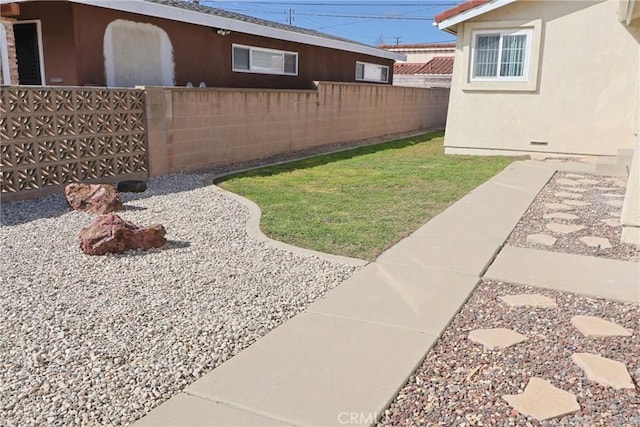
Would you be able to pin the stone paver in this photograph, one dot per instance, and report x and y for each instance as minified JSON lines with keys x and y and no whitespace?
{"x":595,"y":242}
{"x":588,"y":181}
{"x":528,"y":300}
{"x":606,"y":372}
{"x":575,"y":176}
{"x":542,"y":401}
{"x":591,"y":326}
{"x":564,"y":228}
{"x":613,"y":195}
{"x":616,"y":213}
{"x":612,"y":222}
{"x":576,"y":203}
{"x":564,"y":181}
{"x":558,"y":207}
{"x":565,"y":194}
{"x":541,"y":239}
{"x":560,"y":215}
{"x":574,"y":189}
{"x":615,"y":203}
{"x":496,"y":338}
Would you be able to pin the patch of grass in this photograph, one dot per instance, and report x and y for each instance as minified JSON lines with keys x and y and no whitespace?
{"x":360,"y":202}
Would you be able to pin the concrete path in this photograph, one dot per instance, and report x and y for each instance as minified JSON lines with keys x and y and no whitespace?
{"x":343,"y":360}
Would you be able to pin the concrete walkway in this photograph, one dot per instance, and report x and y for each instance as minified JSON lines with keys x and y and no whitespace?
{"x":343,"y":360}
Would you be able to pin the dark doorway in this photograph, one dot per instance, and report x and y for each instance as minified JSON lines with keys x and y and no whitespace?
{"x":27,"y":53}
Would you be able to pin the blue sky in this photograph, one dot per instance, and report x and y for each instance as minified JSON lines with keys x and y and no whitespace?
{"x":366,"y":21}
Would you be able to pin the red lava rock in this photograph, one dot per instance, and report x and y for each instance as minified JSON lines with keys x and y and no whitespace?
{"x":96,"y":198}
{"x":111,"y":234}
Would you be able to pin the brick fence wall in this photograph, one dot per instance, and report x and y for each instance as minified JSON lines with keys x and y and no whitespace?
{"x":191,"y":128}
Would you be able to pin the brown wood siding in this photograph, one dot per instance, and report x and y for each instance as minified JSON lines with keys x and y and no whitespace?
{"x":200,"y":54}
{"x":58,"y":44}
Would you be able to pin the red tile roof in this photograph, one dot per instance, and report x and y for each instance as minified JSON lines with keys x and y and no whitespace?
{"x":462,"y":7}
{"x":438,"y":65}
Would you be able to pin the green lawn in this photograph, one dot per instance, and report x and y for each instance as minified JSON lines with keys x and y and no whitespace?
{"x":360,"y":202}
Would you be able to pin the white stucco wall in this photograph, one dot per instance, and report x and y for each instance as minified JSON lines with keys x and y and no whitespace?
{"x":422,"y":80}
{"x":584,"y":100}
{"x":137,"y":54}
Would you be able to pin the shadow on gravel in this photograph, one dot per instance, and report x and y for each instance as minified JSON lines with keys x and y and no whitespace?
{"x":23,"y":211}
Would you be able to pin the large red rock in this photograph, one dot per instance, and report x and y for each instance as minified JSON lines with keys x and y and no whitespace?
{"x":96,"y":198}
{"x":110,"y":233}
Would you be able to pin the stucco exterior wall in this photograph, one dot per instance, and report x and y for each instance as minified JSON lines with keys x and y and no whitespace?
{"x":190,"y":129}
{"x":584,"y":102}
{"x":422,"y":80}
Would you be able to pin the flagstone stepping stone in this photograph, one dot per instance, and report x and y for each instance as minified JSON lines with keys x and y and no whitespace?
{"x":594,"y":242}
{"x":589,"y":181}
{"x":564,"y":228}
{"x":568,"y":195}
{"x":528,"y":300}
{"x":615,"y":203}
{"x":612,"y":222}
{"x":496,"y":338}
{"x":576,"y":203}
{"x":542,"y":401}
{"x":557,"y":206}
{"x":615,"y":213}
{"x":575,"y":190}
{"x":541,"y":239}
{"x":574,"y":176}
{"x":606,"y":372}
{"x":612,"y":195}
{"x":564,"y":181}
{"x":560,"y":215}
{"x":591,"y":326}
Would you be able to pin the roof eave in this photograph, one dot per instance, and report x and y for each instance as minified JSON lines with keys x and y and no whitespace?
{"x":451,"y":22}
{"x":198,"y":18}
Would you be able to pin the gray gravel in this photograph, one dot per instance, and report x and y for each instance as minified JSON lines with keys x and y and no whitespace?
{"x":102,"y":340}
{"x":462,"y":384}
{"x":601,"y":198}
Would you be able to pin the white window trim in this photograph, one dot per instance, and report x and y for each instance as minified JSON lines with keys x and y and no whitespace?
{"x":532,"y":59}
{"x":528,"y":32}
{"x":261,"y":71}
{"x":4,"y":56}
{"x":364,"y":79}
{"x":43,"y":78}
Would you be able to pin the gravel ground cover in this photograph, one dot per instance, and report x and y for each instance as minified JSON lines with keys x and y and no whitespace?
{"x":597,"y":204}
{"x":462,"y":384}
{"x":102,"y":340}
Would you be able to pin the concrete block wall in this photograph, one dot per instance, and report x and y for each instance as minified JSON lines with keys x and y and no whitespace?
{"x":192,"y":128}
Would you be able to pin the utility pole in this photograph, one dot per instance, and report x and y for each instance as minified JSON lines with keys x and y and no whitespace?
{"x":397,"y":40}
{"x":290,"y":18}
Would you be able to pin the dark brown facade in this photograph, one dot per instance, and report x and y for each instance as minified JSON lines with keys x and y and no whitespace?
{"x":73,"y":37}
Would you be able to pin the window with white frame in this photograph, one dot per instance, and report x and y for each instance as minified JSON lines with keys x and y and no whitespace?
{"x":372,"y":72}
{"x":501,"y":55}
{"x":266,"y":61}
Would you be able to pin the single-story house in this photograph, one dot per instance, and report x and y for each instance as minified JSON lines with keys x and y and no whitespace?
{"x":547,"y":76}
{"x":427,"y":64}
{"x":172,"y":43}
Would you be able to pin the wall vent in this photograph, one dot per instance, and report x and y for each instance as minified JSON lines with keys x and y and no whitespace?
{"x":538,"y":143}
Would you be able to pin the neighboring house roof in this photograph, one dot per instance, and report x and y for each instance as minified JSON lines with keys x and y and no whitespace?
{"x":467,"y":10}
{"x":446,"y":45}
{"x":438,"y":65}
{"x":188,"y":12}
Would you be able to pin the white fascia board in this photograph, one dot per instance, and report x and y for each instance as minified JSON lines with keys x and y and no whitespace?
{"x":182,"y":15}
{"x":471,"y":13}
